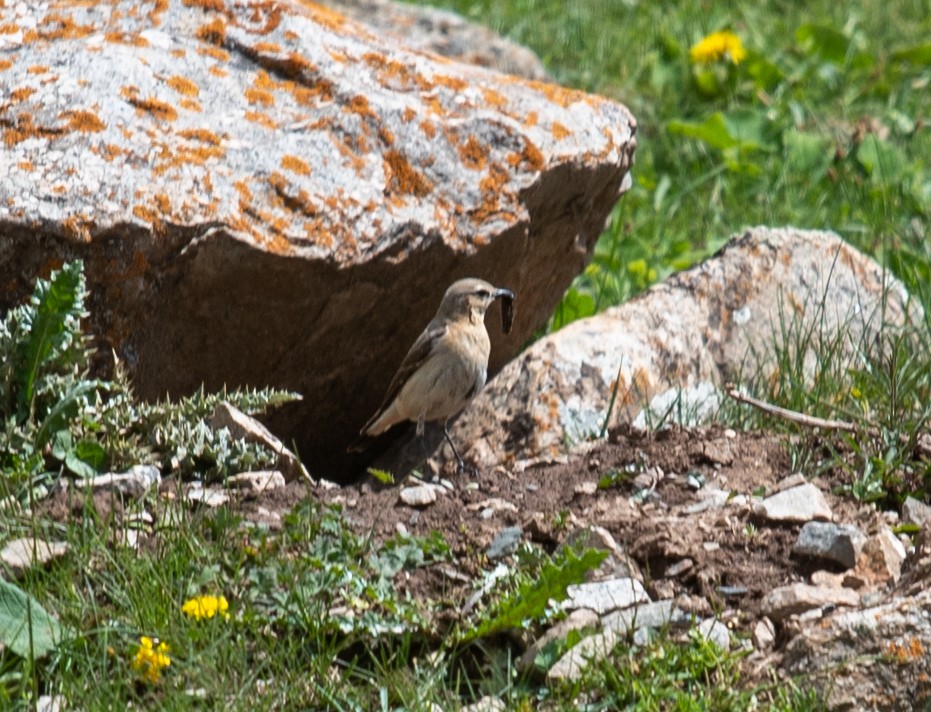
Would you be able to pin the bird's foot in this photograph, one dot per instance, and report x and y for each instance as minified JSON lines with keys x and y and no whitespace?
{"x":470,"y":470}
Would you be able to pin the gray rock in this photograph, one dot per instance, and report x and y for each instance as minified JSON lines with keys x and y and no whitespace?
{"x":870,"y":659}
{"x":797,"y":504}
{"x":841,"y":544}
{"x":212,"y":497}
{"x":764,"y":634}
{"x":679,"y":333}
{"x":591,"y":537}
{"x":251,"y":430}
{"x":915,"y":511}
{"x":261,"y":191}
{"x":134,"y":483}
{"x":444,"y":33}
{"x":257,"y":482}
{"x":419,"y":496}
{"x":605,"y":596}
{"x":588,"y":650}
{"x":505,"y":543}
{"x":577,"y":620}
{"x":644,"y":615}
{"x":796,"y":598}
{"x":716,"y":631}
{"x":19,"y":555}
{"x":881,"y":560}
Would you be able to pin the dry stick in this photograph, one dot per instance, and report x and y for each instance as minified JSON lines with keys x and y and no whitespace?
{"x":922,"y":442}
{"x":792,"y":415}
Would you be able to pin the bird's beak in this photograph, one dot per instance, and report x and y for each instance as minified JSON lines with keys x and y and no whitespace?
{"x":507,"y":308}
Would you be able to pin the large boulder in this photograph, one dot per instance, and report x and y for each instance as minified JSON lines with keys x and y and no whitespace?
{"x":267,"y":193}
{"x":674,"y":345}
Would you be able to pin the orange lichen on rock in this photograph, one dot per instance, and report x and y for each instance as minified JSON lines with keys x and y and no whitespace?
{"x":21,"y":94}
{"x":37,"y":69}
{"x":324,"y":16}
{"x":428,"y":128}
{"x":402,"y":177}
{"x":182,"y":85}
{"x":126,"y":39}
{"x":214,"y":52}
{"x":245,"y":194}
{"x":9,"y":29}
{"x":25,"y":166}
{"x":295,"y":165}
{"x":408,"y":115}
{"x":218,"y":71}
{"x":86,"y":121}
{"x":386,"y":136}
{"x":257,"y":117}
{"x":491,"y":186}
{"x":190,"y":104}
{"x":158,"y":109}
{"x":5,"y":64}
{"x":179,"y":53}
{"x":360,"y":105}
{"x":204,"y":135}
{"x":267,"y":47}
{"x":493,"y":98}
{"x":560,"y":131}
{"x":213,"y":32}
{"x":214,"y":5}
{"x":66,"y":28}
{"x":26,"y":128}
{"x":110,"y":151}
{"x":454,"y":83}
{"x":77,"y":227}
{"x":259,"y":96}
{"x":163,"y":202}
{"x":144,"y":213}
{"x":473,"y":154}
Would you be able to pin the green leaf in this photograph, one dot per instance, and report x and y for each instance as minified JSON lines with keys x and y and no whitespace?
{"x":530,"y":601}
{"x":807,"y":153}
{"x":919,"y":54}
{"x":824,"y":42}
{"x":64,"y":411}
{"x":86,"y":458}
{"x":882,"y":161}
{"x":713,"y":131}
{"x":17,"y":611}
{"x":383,"y":476}
{"x":57,"y":318}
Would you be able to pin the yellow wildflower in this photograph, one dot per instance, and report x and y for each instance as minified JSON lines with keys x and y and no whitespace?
{"x":151,"y":658}
{"x":203,"y":607}
{"x":718,"y":45}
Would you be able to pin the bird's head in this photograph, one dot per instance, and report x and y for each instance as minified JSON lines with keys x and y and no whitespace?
{"x":471,"y":298}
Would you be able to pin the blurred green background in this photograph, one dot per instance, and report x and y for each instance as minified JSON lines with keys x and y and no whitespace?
{"x":820,"y":123}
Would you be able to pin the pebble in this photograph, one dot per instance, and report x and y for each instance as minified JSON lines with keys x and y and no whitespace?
{"x":802,"y":503}
{"x":419,"y":496}
{"x":605,"y":596}
{"x":841,"y":544}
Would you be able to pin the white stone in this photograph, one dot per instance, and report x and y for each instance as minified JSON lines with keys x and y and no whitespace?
{"x":605,"y":596}
{"x":135,"y":482}
{"x":715,"y":631}
{"x":419,"y":496}
{"x":764,"y":634}
{"x":21,"y":554}
{"x":796,"y":598}
{"x":258,"y":481}
{"x":802,"y":503}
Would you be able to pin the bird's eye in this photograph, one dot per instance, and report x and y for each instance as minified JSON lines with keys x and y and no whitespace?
{"x":483,"y":293}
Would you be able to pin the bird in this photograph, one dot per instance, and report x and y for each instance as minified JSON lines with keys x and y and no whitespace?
{"x":447,"y":365}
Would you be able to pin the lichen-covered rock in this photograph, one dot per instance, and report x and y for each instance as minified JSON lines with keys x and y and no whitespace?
{"x":267,"y":193}
{"x":724,"y":318}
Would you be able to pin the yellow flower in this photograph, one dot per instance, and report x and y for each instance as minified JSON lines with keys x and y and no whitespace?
{"x":151,"y":658}
{"x":718,"y":45}
{"x":203,"y":607}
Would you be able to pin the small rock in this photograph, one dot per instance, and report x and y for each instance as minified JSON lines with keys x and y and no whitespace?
{"x":19,"y":555}
{"x":800,"y":597}
{"x":586,"y":651}
{"x":915,"y":511}
{"x":826,"y":578}
{"x":587,"y":487}
{"x":732,"y":591}
{"x":644,"y":615}
{"x":577,"y":620}
{"x":495,"y":504}
{"x":605,"y":596}
{"x":797,"y":504}
{"x":486,"y":704}
{"x":135,"y":482}
{"x":50,"y":703}
{"x":591,"y":537}
{"x":730,"y":434}
{"x":505,"y":543}
{"x":678,"y":568}
{"x":663,"y":589}
{"x":710,"y":546}
{"x":823,"y":540}
{"x":209,"y":496}
{"x":764,"y":634}
{"x":251,"y":430}
{"x":695,"y":481}
{"x":709,"y":498}
{"x":881,"y":559}
{"x":419,"y":496}
{"x":257,"y":482}
{"x":716,"y":631}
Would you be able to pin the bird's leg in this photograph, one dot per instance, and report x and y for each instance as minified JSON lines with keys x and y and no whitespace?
{"x":423,"y":445}
{"x":462,"y":466}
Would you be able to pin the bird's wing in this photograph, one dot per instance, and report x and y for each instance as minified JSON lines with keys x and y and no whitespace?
{"x":415,"y":358}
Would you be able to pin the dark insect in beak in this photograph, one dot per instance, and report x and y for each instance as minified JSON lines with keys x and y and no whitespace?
{"x":507,"y":309}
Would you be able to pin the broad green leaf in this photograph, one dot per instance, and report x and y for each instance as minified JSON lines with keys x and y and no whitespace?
{"x":824,"y":42}
{"x":919,"y":54}
{"x":17,"y":610}
{"x":575,"y":305}
{"x":807,"y":154}
{"x":58,"y":302}
{"x":713,"y":131}
{"x":530,"y":601}
{"x":750,"y":128}
{"x":64,"y":411}
{"x":882,"y":161}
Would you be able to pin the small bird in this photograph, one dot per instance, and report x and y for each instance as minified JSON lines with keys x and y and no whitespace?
{"x":448,"y":364}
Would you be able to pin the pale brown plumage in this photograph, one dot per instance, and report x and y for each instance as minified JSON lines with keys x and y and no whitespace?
{"x":448,"y":363}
